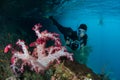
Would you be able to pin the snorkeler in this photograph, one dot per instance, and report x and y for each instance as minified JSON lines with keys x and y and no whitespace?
{"x":74,"y":39}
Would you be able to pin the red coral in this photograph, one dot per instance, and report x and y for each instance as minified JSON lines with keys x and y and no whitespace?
{"x":7,"y":48}
{"x":41,"y":57}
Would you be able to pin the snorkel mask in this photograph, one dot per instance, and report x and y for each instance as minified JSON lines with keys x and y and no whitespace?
{"x":81,"y":31}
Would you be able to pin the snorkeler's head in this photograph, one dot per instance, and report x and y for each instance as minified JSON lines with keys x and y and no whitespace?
{"x":82,"y":30}
{"x":83,"y":26}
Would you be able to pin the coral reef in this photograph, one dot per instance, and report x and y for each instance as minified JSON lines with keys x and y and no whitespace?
{"x":41,"y":57}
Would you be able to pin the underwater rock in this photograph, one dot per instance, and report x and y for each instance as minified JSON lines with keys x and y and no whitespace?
{"x":73,"y":71}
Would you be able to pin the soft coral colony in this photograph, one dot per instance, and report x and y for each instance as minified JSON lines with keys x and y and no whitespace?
{"x":41,"y":57}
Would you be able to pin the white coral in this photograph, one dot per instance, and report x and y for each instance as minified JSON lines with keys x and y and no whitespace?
{"x":41,"y":57}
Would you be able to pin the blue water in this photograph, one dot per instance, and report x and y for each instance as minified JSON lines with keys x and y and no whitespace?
{"x":103,"y":20}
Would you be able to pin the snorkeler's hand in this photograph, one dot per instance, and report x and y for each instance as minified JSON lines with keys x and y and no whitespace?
{"x":53,"y":21}
{"x":51,"y":17}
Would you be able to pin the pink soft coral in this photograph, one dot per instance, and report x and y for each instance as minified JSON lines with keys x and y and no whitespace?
{"x":41,"y":57}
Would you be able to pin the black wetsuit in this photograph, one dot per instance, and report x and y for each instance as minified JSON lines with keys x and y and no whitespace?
{"x":69,"y":33}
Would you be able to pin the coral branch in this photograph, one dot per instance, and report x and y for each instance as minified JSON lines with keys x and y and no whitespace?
{"x":7,"y":48}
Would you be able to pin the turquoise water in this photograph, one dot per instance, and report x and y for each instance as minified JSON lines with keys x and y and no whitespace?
{"x":103,"y":20}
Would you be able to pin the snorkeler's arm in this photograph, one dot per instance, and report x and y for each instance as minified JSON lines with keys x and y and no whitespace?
{"x":59,"y":26}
